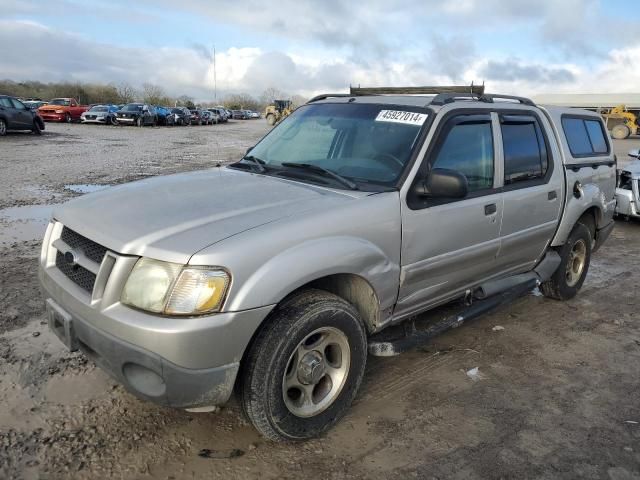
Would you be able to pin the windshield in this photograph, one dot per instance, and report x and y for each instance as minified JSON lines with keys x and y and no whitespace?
{"x":132,"y":108}
{"x":99,"y":109}
{"x":177,"y":110}
{"x":361,"y":142}
{"x":60,"y":101}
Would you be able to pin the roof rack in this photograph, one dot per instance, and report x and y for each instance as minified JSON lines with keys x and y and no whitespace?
{"x":426,"y":90}
{"x":444,"y":98}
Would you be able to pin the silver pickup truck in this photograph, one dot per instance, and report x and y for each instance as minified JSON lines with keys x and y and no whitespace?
{"x":277,"y":275}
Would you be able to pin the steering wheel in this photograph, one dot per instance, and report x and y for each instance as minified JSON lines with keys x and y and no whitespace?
{"x":387,"y":158}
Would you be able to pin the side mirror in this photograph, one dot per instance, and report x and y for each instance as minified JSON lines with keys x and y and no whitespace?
{"x":634,"y":153}
{"x":443,"y":183}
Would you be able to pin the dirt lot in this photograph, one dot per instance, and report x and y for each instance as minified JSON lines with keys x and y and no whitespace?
{"x":557,"y":393}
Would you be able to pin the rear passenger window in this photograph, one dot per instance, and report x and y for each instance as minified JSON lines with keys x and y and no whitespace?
{"x":525,"y":153}
{"x":584,"y":136}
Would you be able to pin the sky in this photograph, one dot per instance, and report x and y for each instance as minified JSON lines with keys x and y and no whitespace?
{"x":307,"y":47}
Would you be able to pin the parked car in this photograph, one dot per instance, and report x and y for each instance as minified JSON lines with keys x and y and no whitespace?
{"x":181,"y":115}
{"x":34,"y":104}
{"x":15,"y":115}
{"x":196,"y":117}
{"x":237,"y":114}
{"x":207,"y":117}
{"x":164,"y":115}
{"x":224,"y":114}
{"x":628,"y":188}
{"x":255,"y":114}
{"x":138,"y":114}
{"x":190,"y":280}
{"x":62,"y":110}
{"x":105,"y":114}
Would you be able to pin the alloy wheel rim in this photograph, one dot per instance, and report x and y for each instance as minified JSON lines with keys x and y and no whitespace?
{"x":576,"y":262}
{"x":316,"y":372}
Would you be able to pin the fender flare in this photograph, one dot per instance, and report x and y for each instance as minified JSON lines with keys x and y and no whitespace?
{"x":308,"y":261}
{"x":592,"y":198}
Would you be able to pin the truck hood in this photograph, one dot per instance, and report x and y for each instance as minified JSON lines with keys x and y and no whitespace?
{"x":172,"y":217}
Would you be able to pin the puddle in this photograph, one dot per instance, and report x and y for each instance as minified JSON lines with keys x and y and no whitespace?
{"x":85,"y":187}
{"x":18,"y":224}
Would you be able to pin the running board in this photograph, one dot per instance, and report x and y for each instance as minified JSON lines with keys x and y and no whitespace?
{"x":382,"y":346}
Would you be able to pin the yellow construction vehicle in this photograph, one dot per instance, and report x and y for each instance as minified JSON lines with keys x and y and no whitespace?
{"x":277,"y":111}
{"x":620,"y":122}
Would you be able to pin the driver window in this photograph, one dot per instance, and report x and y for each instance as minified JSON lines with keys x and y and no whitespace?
{"x":468,"y":149}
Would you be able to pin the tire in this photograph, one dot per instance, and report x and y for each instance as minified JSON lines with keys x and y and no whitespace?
{"x":3,"y":127}
{"x":568,"y":279}
{"x":274,"y":361}
{"x":271,"y":120}
{"x":67,"y":118}
{"x":620,"y":132}
{"x":36,"y":128}
{"x":139,"y":122}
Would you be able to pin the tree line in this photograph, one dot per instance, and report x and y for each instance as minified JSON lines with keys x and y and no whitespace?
{"x":92,"y":93}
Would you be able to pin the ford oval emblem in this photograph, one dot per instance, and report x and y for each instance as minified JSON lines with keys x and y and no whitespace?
{"x":70,"y":258}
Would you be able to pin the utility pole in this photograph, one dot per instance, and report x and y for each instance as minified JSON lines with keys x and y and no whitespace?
{"x":215,"y":82}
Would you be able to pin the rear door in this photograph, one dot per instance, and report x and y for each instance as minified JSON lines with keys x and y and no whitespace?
{"x":533,"y":192}
{"x":448,"y":246}
{"x":22,"y":116}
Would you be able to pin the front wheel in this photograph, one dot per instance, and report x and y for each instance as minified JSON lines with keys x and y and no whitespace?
{"x":67,"y":118}
{"x":305,"y":366}
{"x":620,"y":131}
{"x":3,"y":127}
{"x":139,"y":122}
{"x":36,"y":128}
{"x":575,"y":257}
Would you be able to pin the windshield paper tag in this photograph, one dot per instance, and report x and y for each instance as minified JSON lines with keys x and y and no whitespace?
{"x":398,"y":116}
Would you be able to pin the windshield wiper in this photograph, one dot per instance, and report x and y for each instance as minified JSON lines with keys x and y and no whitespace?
{"x":259,"y":163}
{"x":323,"y":171}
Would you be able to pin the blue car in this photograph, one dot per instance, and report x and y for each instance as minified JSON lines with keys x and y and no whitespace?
{"x":165,"y":117}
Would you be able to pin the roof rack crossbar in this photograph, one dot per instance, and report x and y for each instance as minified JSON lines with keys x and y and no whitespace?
{"x":328,"y":95}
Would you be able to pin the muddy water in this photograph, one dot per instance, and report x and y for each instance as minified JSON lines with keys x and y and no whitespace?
{"x":24,"y":223}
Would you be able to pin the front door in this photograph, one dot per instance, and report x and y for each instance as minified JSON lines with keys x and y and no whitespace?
{"x":448,"y":246}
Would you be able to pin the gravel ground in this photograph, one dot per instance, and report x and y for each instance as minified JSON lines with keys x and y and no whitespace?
{"x":555,"y":394}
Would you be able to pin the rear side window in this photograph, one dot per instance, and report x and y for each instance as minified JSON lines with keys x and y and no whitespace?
{"x":584,"y":136}
{"x":468,"y":149}
{"x":525,"y":153}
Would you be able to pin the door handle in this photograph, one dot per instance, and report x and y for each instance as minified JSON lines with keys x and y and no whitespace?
{"x":552,"y":195}
{"x":490,"y":209}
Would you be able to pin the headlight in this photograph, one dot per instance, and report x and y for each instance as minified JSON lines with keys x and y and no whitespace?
{"x":59,"y":111}
{"x":173,"y":289}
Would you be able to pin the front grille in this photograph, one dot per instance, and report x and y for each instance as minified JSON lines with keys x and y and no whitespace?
{"x":91,"y":249}
{"x":77,"y":274}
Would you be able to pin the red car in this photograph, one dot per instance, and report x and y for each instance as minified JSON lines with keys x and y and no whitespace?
{"x":62,"y":110}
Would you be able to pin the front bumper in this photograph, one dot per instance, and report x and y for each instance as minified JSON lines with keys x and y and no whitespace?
{"x":126,"y":119}
{"x":101,"y":120}
{"x":53,"y":117}
{"x":178,"y":362}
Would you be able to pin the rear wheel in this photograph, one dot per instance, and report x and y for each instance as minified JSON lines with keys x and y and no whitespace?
{"x":3,"y":127}
{"x":305,"y":366}
{"x":575,"y":257}
{"x":620,"y":132}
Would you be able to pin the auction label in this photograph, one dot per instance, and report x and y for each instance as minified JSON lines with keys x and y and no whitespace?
{"x":398,"y":116}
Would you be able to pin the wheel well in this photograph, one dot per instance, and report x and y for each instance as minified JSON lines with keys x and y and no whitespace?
{"x":590,"y":219}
